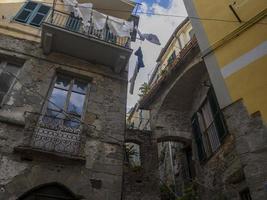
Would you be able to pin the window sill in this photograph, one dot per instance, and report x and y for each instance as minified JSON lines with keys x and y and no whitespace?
{"x":29,"y":153}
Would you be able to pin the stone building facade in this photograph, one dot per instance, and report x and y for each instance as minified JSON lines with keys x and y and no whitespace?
{"x":223,"y":149}
{"x":62,"y":115}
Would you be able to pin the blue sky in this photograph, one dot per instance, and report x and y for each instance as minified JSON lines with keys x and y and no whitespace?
{"x":162,"y":3}
{"x":163,"y":27}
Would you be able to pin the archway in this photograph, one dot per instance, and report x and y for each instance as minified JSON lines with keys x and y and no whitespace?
{"x":49,"y":191}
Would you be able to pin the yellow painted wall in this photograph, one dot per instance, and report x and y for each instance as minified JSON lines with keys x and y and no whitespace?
{"x":250,"y":82}
{"x":9,"y":9}
{"x":8,"y":26}
{"x":183,"y":34}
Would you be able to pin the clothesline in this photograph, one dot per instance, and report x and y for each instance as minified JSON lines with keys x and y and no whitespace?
{"x":119,"y":27}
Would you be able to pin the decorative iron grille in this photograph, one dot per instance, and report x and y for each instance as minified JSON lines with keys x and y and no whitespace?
{"x":49,"y":134}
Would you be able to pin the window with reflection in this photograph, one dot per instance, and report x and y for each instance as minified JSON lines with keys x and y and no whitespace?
{"x":66,"y":102}
{"x":132,"y":154}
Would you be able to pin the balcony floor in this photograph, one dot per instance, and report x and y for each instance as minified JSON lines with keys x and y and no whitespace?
{"x":58,"y":39}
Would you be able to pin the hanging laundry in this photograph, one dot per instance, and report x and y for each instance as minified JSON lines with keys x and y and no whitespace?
{"x":140,"y":62}
{"x":149,"y":37}
{"x":141,"y":37}
{"x":85,"y":12}
{"x":120,"y":27}
{"x":69,"y":5}
{"x":99,"y":20}
{"x":133,"y":79}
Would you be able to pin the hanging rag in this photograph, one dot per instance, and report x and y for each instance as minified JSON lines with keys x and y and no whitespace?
{"x":120,"y":27}
{"x":85,"y":12}
{"x":133,"y":79}
{"x":140,"y":62}
{"x":149,"y":37}
{"x":152,"y":38}
{"x":99,"y":20}
{"x":69,"y":5}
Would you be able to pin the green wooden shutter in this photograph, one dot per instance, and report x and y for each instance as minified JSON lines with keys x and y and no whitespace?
{"x":39,"y":15}
{"x":217,"y":114}
{"x":198,"y":138}
{"x":26,"y":12}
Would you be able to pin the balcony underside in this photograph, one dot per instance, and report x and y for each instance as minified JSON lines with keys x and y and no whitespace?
{"x":58,"y":39}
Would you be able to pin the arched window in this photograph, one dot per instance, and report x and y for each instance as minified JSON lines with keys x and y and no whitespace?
{"x":50,"y":191}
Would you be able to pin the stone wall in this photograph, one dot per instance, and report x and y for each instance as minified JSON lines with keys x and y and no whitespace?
{"x":142,"y":183}
{"x":101,"y":158}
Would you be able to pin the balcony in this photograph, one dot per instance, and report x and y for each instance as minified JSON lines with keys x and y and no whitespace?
{"x":65,"y":33}
{"x":49,"y":136}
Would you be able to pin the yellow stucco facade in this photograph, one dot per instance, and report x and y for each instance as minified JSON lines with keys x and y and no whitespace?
{"x":240,"y":48}
{"x":9,"y":9}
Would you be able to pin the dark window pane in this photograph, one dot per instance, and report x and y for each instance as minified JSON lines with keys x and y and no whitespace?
{"x":63,"y":82}
{"x":23,"y":16}
{"x":2,"y":94}
{"x":54,"y":114}
{"x":12,"y":68}
{"x":44,"y":9}
{"x":73,"y":123}
{"x":52,"y":119}
{"x":31,"y":5}
{"x":198,"y":138}
{"x":37,"y":20}
{"x":79,"y":86}
{"x":76,"y":103}
{"x":58,"y":97}
{"x":5,"y":82}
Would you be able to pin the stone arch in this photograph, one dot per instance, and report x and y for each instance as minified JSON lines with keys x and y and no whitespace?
{"x":172,"y":117}
{"x":49,"y":191}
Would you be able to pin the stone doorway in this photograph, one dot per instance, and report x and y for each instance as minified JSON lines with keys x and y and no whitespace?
{"x":51,"y":191}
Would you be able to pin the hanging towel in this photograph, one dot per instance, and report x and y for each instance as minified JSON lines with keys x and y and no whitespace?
{"x":85,"y":12}
{"x":69,"y":5}
{"x":152,"y":38}
{"x":99,"y":20}
{"x":140,"y":62}
{"x":149,"y":37}
{"x":133,"y":79}
{"x":119,"y":27}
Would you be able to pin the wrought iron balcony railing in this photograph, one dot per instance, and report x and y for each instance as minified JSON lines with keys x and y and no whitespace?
{"x":50,"y":134}
{"x":74,"y":24}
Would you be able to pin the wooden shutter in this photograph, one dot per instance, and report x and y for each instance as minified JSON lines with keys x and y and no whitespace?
{"x":26,"y":12}
{"x":39,"y":15}
{"x":217,"y":114}
{"x":198,"y":138}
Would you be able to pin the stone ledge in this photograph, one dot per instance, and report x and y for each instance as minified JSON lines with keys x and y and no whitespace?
{"x":31,"y":154}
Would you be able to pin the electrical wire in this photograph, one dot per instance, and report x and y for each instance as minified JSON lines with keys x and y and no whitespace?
{"x":164,"y":15}
{"x":63,"y":112}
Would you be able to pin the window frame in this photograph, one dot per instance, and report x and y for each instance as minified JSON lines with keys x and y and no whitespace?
{"x":4,"y":63}
{"x":32,"y":15}
{"x":69,"y":91}
{"x":210,"y":95}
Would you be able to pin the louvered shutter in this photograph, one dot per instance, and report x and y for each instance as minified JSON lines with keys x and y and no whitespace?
{"x":26,"y":12}
{"x":217,"y":115}
{"x":198,"y":138}
{"x":40,"y":15}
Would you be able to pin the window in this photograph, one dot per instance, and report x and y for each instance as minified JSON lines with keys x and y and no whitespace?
{"x":7,"y":72}
{"x":132,"y":154}
{"x":66,"y":102}
{"x":208,"y":127}
{"x":32,"y":13}
{"x":245,"y":195}
{"x":171,"y":58}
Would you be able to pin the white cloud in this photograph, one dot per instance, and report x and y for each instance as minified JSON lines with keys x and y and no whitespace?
{"x":163,"y":27}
